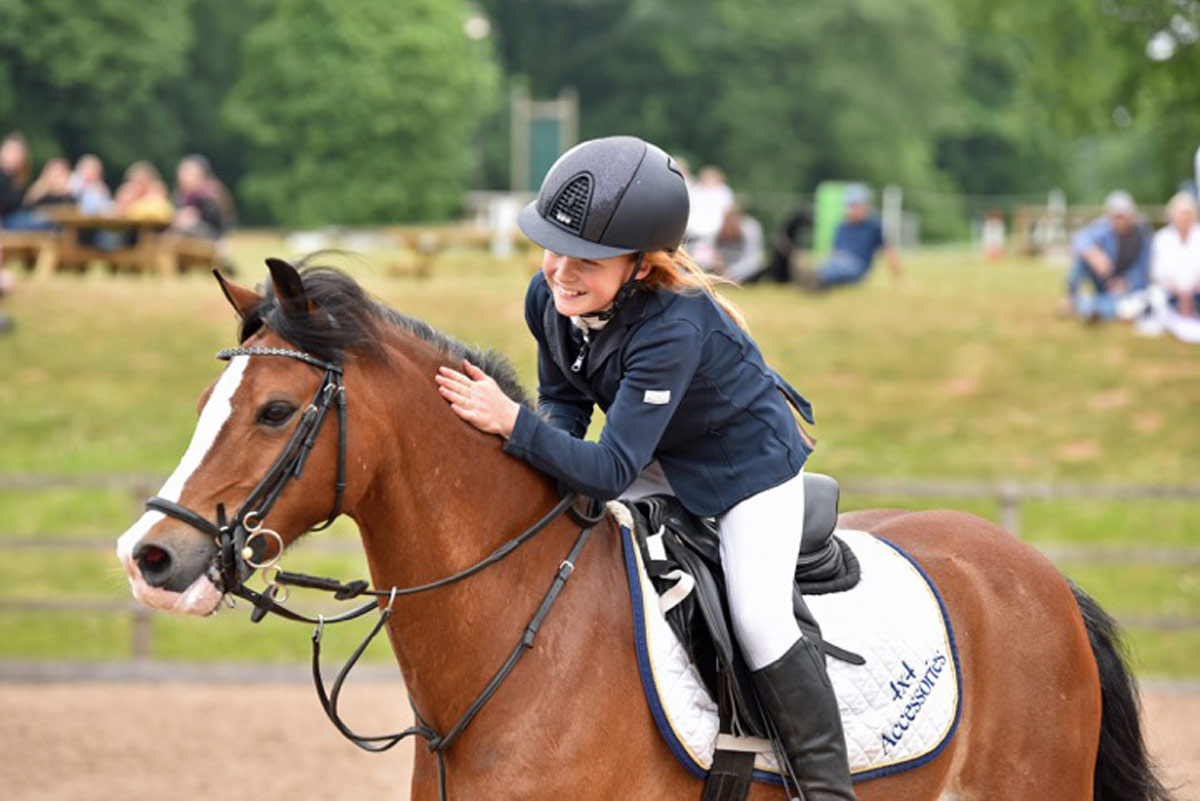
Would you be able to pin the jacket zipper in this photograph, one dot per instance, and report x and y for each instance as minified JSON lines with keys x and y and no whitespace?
{"x":578,"y":364}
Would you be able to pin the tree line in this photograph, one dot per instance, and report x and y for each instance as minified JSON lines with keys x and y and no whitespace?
{"x":320,"y":111}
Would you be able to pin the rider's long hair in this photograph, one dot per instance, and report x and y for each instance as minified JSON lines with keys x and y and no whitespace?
{"x":675,"y":270}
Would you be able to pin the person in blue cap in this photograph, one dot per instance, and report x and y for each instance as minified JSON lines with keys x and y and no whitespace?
{"x":624,"y":320}
{"x":858,"y":238}
{"x":1112,"y":259}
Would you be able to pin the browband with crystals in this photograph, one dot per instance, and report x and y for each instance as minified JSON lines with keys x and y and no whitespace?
{"x":229,"y":353}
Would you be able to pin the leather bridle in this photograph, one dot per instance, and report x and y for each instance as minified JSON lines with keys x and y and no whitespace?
{"x":243,"y":542}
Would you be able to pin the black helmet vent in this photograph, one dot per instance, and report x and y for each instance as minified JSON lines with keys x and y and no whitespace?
{"x":571,"y":206}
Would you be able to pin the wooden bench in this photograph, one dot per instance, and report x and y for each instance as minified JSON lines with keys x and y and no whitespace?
{"x":32,"y":249}
{"x":140,"y":246}
{"x":174,"y":252}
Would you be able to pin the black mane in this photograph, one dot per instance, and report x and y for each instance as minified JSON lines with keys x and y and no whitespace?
{"x":348,"y":320}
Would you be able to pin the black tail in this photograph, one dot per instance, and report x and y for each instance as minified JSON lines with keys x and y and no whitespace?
{"x":1124,"y":771}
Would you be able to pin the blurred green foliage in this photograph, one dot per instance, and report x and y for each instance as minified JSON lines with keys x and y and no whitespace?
{"x":385,"y":110}
{"x":360,"y":112}
{"x":81,"y":77}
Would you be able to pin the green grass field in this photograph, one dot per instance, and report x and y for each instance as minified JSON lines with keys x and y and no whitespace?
{"x":961,"y":372}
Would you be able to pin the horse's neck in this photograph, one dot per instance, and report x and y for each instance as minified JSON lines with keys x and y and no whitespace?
{"x":442,"y":497}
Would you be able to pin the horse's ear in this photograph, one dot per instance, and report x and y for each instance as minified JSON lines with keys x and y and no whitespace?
{"x":289,"y":288}
{"x":241,"y":299}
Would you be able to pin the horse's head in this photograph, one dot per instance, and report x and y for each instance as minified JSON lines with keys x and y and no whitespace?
{"x":265,"y":452}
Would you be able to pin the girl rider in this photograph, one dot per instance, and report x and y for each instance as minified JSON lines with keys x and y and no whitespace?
{"x":625,"y":320}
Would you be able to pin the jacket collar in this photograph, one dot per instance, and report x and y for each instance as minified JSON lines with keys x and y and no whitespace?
{"x":563,"y":337}
{"x":610,"y":338}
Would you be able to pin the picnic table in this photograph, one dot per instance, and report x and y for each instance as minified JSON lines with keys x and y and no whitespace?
{"x":139,"y":244}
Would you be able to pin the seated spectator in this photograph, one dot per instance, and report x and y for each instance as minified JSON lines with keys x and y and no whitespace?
{"x":710,"y":200}
{"x":738,"y":254}
{"x":52,"y":187}
{"x":6,"y":286}
{"x":1175,"y":256}
{"x":14,"y":175}
{"x":792,"y":235}
{"x":143,"y":195}
{"x":87,"y":185}
{"x":15,"y":201}
{"x":201,"y":202}
{"x":49,"y":190}
{"x":1112,"y":254}
{"x":858,"y":238}
{"x":14,"y":172}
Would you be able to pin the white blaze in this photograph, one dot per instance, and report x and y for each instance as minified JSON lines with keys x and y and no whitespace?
{"x":212,"y":419}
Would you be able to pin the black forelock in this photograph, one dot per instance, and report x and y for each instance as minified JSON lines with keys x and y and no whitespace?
{"x":346,"y":321}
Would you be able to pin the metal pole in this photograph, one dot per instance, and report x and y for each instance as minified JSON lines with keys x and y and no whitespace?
{"x":518,"y":163}
{"x":1010,"y":508}
{"x":143,"y":645}
{"x":891,"y":212}
{"x":568,"y":105}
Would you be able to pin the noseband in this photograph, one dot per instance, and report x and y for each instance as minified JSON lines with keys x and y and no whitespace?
{"x":243,"y":542}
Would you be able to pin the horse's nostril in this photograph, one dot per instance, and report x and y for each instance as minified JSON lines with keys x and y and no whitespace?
{"x":156,"y":562}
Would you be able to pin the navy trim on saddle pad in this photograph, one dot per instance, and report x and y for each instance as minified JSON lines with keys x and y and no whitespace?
{"x":925,"y":759}
{"x":645,"y":672}
{"x":649,"y":689}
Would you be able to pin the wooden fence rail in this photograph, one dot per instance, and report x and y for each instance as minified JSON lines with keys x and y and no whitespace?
{"x":1010,"y":497}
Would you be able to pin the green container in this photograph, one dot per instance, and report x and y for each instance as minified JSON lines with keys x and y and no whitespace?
{"x":545,"y":146}
{"x":828,"y":210}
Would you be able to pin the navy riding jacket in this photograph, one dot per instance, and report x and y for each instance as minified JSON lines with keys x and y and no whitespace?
{"x":679,"y":381}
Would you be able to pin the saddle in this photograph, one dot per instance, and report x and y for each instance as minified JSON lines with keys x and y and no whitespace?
{"x":682,"y":557}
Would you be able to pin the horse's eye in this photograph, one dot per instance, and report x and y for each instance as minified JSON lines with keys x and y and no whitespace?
{"x":276,"y":413}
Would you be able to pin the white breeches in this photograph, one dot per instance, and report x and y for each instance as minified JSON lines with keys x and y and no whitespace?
{"x":760,"y":542}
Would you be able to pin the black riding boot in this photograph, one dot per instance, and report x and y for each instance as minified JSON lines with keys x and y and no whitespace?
{"x":796,"y":693}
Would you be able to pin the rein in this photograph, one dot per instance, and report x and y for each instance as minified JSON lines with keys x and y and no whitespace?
{"x":242,"y":544}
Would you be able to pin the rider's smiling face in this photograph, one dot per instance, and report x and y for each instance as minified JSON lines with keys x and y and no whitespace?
{"x":585,"y":285}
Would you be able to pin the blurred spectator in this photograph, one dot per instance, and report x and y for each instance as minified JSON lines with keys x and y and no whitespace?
{"x":793,"y":235}
{"x":14,"y":172}
{"x":52,"y":187}
{"x":858,"y":238}
{"x":1113,"y":255}
{"x":143,"y":195}
{"x":14,"y":175}
{"x":739,"y":247}
{"x":6,"y":286}
{"x":203,"y":206}
{"x":1175,"y":257}
{"x":993,"y":235}
{"x":710,"y":199}
{"x":88,"y":187}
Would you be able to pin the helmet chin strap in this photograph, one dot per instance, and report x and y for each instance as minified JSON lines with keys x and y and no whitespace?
{"x":622,"y":294}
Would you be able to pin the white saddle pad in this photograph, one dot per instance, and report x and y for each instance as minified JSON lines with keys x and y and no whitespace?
{"x":898,"y":710}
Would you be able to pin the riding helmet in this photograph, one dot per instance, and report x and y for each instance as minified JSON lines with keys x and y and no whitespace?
{"x":607,"y":197}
